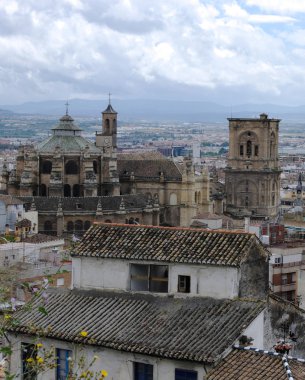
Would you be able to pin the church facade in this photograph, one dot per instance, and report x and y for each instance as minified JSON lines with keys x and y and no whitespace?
{"x":94,"y":176}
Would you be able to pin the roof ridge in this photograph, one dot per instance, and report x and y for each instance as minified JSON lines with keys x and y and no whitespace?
{"x":222,"y":231}
{"x":267,"y":352}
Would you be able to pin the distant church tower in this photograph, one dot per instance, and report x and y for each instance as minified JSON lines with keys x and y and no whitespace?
{"x":107,"y":141}
{"x":252,"y":175}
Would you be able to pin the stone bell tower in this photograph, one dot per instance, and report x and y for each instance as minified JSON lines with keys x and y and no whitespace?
{"x":252,"y":175}
{"x":107,"y":141}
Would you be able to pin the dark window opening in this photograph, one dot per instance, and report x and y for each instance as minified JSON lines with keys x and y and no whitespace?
{"x":43,"y":190}
{"x":184,"y":284}
{"x":78,"y":225}
{"x":95,"y":167}
{"x":143,"y":371}
{"x":46,"y":167}
{"x":107,"y":126}
{"x":87,"y":225}
{"x":67,"y":190}
{"x":151,"y":278}
{"x":76,"y":190}
{"x":70,"y":226}
{"x":71,"y":167}
{"x":184,"y":374}
{"x":241,"y":150}
{"x":256,"y":150}
{"x":249,"y":148}
{"x":48,"y":225}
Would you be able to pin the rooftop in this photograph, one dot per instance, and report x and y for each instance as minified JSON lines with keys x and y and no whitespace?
{"x":167,"y":244}
{"x":254,"y":364}
{"x":195,"y":329}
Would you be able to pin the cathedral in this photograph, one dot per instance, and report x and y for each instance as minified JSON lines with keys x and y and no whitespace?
{"x":73,"y":182}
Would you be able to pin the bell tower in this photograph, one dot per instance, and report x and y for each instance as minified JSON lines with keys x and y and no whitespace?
{"x":252,"y":175}
{"x":107,"y":142}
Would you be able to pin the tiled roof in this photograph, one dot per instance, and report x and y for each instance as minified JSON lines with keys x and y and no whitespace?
{"x":10,"y":200}
{"x":167,"y":244}
{"x":196,"y":329}
{"x":245,"y":364}
{"x":67,"y":144}
{"x":67,"y":123}
{"x":81,"y":204}
{"x":23,"y":223}
{"x":40,"y":238}
{"x":147,"y":168}
{"x":139,"y":156}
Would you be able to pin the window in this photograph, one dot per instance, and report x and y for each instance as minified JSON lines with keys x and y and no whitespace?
{"x":62,"y":361}
{"x":256,"y":150}
{"x":71,"y":167}
{"x":241,"y":150}
{"x":184,"y":374}
{"x":184,"y":284}
{"x":46,"y":167}
{"x":28,"y":351}
{"x":151,"y":278}
{"x":142,"y":371}
{"x":249,"y":148}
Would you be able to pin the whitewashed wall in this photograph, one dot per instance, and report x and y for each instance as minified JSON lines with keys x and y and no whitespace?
{"x":119,"y":365}
{"x":211,"y":281}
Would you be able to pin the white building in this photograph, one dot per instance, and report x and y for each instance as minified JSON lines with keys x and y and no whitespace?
{"x":158,"y":303}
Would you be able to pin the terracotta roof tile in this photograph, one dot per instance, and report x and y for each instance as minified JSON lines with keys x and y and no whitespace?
{"x":253,"y":364}
{"x":197,"y":329}
{"x":179,"y":245}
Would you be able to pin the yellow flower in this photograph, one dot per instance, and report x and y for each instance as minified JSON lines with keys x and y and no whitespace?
{"x":29,"y":360}
{"x":7,"y":316}
{"x":39,"y":359}
{"x":83,"y":375}
{"x":83,"y":334}
{"x":104,"y":373}
{"x":39,"y":345}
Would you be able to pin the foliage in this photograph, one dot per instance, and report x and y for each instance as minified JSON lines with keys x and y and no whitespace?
{"x":39,"y":359}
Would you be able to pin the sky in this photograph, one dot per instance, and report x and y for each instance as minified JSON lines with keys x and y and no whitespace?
{"x":224,"y":51}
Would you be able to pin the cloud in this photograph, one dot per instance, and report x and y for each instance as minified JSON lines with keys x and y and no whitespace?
{"x":66,"y":48}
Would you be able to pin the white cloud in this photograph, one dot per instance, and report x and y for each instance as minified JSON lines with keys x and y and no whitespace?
{"x":279,"y":6}
{"x":135,"y":47}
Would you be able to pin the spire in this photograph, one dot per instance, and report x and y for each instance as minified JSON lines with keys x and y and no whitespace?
{"x":122,"y":209}
{"x":33,"y":205}
{"x":109,"y":99}
{"x":67,"y":108}
{"x":99,"y":209}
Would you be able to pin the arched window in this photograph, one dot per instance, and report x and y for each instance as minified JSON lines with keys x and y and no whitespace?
{"x":78,"y":225}
{"x":249,"y":148}
{"x":273,"y":200}
{"x":67,"y":190}
{"x":43,"y":190}
{"x":107,"y":126}
{"x":87,"y":225}
{"x":48,"y":225}
{"x":76,"y":190}
{"x":71,"y":167}
{"x":95,"y":167}
{"x":46,"y":167}
{"x":195,"y":196}
{"x":70,"y":226}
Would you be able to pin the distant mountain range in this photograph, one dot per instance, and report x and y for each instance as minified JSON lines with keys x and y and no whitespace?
{"x":157,"y":110}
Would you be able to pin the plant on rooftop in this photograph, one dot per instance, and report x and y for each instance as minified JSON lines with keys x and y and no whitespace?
{"x":40,"y":359}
